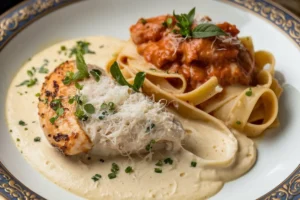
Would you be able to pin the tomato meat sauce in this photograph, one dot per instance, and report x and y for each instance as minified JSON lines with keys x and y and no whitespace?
{"x":197,"y":59}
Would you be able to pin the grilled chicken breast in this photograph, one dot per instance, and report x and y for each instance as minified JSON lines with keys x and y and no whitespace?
{"x":117,"y":120}
{"x":66,"y":132}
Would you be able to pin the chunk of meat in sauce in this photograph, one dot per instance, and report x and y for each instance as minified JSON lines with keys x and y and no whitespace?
{"x":151,"y":29}
{"x":197,"y":59}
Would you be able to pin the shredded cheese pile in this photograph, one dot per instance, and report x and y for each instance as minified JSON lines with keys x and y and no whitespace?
{"x":135,"y":122}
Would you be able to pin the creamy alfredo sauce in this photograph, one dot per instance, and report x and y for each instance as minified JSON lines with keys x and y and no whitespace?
{"x":220,"y":158}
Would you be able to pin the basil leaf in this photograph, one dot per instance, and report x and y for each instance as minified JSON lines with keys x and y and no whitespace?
{"x":138,"y":81}
{"x":207,"y":30}
{"x":191,"y":15}
{"x":89,"y":108}
{"x":117,"y":74}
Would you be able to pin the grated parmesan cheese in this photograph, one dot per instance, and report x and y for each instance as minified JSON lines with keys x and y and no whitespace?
{"x":135,"y":121}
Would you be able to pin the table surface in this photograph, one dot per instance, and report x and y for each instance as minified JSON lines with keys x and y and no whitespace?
{"x":292,"y":5}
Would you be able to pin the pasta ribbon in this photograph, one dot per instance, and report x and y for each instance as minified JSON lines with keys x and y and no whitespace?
{"x":249,"y":114}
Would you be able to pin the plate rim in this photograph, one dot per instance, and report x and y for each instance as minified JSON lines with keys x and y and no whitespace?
{"x":13,"y":21}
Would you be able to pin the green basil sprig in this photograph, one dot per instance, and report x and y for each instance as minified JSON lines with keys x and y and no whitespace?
{"x":185,"y":22}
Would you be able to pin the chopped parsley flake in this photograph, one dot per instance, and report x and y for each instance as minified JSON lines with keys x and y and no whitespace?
{"x":57,"y":107}
{"x":238,"y":122}
{"x":150,"y":145}
{"x":29,"y":73}
{"x":38,"y":94}
{"x":159,"y":163}
{"x":104,"y":106}
{"x":158,"y":170}
{"x":82,"y":47}
{"x":96,"y":74}
{"x":112,"y":175}
{"x":144,"y":21}
{"x":111,"y":106}
{"x":63,"y":48}
{"x":22,"y":123}
{"x":43,"y":70}
{"x":128,"y":170}
{"x":28,"y":83}
{"x":168,"y":161}
{"x":78,"y":86}
{"x":114,"y":168}
{"x":150,"y":127}
{"x":37,"y":139}
{"x":96,"y":177}
{"x":249,"y":92}
{"x":89,"y":108}
{"x":79,"y":113}
{"x":193,"y":164}
{"x":18,"y":139}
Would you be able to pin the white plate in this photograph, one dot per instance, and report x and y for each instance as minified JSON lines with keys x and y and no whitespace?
{"x":271,"y":27}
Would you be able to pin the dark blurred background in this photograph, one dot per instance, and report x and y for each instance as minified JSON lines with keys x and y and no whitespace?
{"x":7,"y":4}
{"x":293,"y":5}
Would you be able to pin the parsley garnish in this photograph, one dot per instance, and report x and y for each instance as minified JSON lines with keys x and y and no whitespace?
{"x":81,"y":47}
{"x":63,"y":48}
{"x":78,"y":86}
{"x":168,"y":161}
{"x":118,"y":76}
{"x":79,"y":113}
{"x":249,"y":92}
{"x":158,"y":170}
{"x":37,"y":139}
{"x":111,"y":106}
{"x":22,"y":123}
{"x":193,"y":164}
{"x":96,"y":177}
{"x":57,"y":107}
{"x":238,"y":122}
{"x":28,"y":83}
{"x":96,"y":73}
{"x":128,"y":170}
{"x":80,"y":74}
{"x":114,"y":168}
{"x":68,"y":78}
{"x":29,"y":73}
{"x":168,"y":22}
{"x":112,"y":175}
{"x":43,"y":70}
{"x":89,"y":108}
{"x":38,"y":94}
{"x":103,"y":106}
{"x":150,"y":127}
{"x":143,"y":21}
{"x":159,"y":163}
{"x":18,"y":139}
{"x":150,"y":145}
